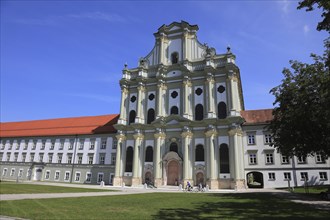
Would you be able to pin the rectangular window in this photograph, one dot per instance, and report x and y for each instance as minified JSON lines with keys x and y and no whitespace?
{"x":2,"y":146}
{"x":113,"y":159}
{"x":301,"y":160}
{"x":47,"y":175}
{"x":100,"y":177}
{"x":284,"y":159}
{"x":251,"y":139}
{"x":41,"y":157}
{"x":20,"y":173}
{"x":1,"y":156}
{"x":43,"y":144}
{"x":67,"y":176}
{"x":59,"y":158}
{"x":4,"y":172}
{"x":102,"y":158}
{"x":26,"y":146}
{"x":269,"y":158}
{"x":52,"y":145}
{"x":88,"y":177}
{"x":90,"y":158}
{"x":23,"y":157}
{"x":60,"y":146}
{"x":287,"y":176}
{"x":80,"y":157}
{"x":114,"y":144}
{"x":71,"y":145}
{"x":15,"y":157}
{"x":323,"y":176}
{"x":304,"y":176}
{"x":8,"y":156}
{"x":69,"y":158}
{"x":12,"y":172}
{"x":17,"y":146}
{"x":81,"y":145}
{"x":10,"y":146}
{"x":268,"y":139}
{"x":271,"y":176}
{"x":57,"y":175}
{"x":77,"y":178}
{"x":33,"y":146}
{"x":92,"y":145}
{"x":50,"y":158}
{"x":31,"y":157}
{"x":320,"y":158}
{"x":104,"y":144}
{"x":252,"y":158}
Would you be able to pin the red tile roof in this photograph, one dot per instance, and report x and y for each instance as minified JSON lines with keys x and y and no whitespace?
{"x":261,"y":116}
{"x":60,"y":126}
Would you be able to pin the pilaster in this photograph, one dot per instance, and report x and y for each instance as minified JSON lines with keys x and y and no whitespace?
{"x":211,"y":135}
{"x":123,"y":105}
{"x":138,"y":137}
{"x":119,"y":159}
{"x":187,"y":86}
{"x":161,"y":98}
{"x":232,"y":80}
{"x":160,"y":141}
{"x":211,"y":97}
{"x":140,"y":108}
{"x":186,"y":137}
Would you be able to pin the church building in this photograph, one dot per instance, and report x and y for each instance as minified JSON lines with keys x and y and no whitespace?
{"x":182,"y":118}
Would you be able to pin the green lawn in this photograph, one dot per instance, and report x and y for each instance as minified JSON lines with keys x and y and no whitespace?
{"x":201,"y":206}
{"x":21,"y":188}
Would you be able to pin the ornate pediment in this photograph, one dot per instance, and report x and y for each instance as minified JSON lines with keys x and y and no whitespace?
{"x":171,"y":120}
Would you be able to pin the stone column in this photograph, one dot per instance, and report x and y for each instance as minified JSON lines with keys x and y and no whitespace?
{"x":141,"y":96}
{"x":185,"y":41}
{"x":187,"y":85}
{"x":187,"y":170}
{"x":137,"y":180}
{"x":236,"y":157}
{"x":117,"y":181}
{"x":211,"y":97}
{"x":211,"y":135}
{"x":160,"y":99}
{"x":123,"y":106}
{"x":234,"y":94}
{"x":160,"y":143}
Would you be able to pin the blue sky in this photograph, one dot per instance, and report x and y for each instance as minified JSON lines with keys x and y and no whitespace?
{"x":65,"y":58}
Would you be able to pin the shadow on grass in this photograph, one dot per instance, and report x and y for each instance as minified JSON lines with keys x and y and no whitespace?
{"x":242,"y":205}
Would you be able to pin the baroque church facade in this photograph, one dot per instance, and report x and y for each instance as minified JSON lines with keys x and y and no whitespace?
{"x":182,"y":118}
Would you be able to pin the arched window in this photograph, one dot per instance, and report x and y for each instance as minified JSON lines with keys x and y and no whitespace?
{"x":199,"y":112}
{"x":149,"y":154}
{"x":222,"y":110}
{"x":129,"y":159}
{"x":199,"y":153}
{"x":174,"y":147}
{"x":174,"y":57}
{"x":151,"y":115}
{"x":174,"y":110}
{"x":224,"y":158}
{"x":132,"y":115}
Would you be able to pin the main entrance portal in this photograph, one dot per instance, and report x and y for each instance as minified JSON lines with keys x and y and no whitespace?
{"x":173,"y":173}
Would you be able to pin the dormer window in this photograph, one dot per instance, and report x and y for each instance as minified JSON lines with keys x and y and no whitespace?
{"x":174,"y":57}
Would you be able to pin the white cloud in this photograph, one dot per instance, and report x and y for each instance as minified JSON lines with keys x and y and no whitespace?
{"x":306,"y":29}
{"x":284,"y":5}
{"x":99,"y":16}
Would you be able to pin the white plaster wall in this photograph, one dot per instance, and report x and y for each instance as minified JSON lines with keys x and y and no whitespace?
{"x":221,"y":97}
{"x":174,"y":45}
{"x":132,"y":105}
{"x":174,"y":101}
{"x":199,"y":99}
{"x":151,"y":104}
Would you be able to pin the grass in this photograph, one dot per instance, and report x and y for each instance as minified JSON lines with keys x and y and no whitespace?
{"x":166,"y":206}
{"x":21,"y":188}
{"x":312,"y":192}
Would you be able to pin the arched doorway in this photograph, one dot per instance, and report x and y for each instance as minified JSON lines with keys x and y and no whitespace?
{"x":200,"y":178}
{"x":147,"y":177}
{"x":255,"y":180}
{"x":173,"y":173}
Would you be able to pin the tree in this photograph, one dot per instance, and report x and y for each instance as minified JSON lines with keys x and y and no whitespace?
{"x":301,"y":122}
{"x":325,"y":5}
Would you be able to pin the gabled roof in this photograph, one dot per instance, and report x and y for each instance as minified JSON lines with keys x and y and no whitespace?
{"x":261,"y":116}
{"x":60,"y":126}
